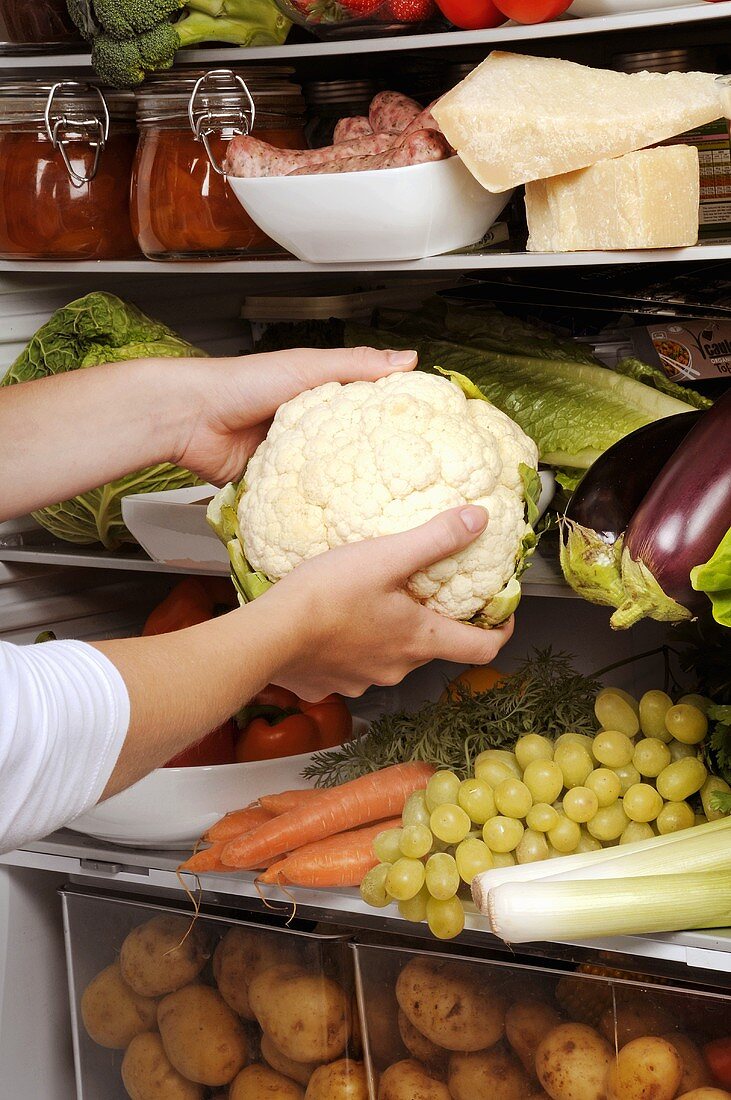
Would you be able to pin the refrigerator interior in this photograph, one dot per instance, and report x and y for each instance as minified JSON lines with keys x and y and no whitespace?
{"x":84,"y":595}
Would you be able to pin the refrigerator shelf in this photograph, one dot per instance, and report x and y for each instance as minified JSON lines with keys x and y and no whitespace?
{"x":544,"y":577}
{"x":91,"y":861}
{"x":492,"y":259}
{"x":564,"y":27}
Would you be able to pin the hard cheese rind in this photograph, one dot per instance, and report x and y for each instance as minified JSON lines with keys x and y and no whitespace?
{"x":517,"y":118}
{"x":647,"y":199}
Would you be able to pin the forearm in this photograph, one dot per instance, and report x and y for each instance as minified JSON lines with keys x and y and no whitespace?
{"x":183,"y":684}
{"x":63,"y":435}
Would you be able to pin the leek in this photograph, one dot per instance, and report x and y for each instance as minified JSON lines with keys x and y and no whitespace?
{"x":613,"y":860}
{"x":528,"y":912}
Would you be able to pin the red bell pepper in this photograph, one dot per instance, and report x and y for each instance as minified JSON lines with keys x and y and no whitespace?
{"x":276,"y":723}
{"x":192,"y":601}
{"x":217,"y":747}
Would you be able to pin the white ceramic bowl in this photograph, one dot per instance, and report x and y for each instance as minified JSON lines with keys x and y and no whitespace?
{"x":172,"y":807}
{"x":366,"y":217}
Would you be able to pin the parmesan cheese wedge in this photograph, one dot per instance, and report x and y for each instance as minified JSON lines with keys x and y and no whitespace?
{"x":518,"y":118}
{"x":647,"y":199}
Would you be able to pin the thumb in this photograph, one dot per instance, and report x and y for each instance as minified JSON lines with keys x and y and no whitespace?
{"x":431,"y":542}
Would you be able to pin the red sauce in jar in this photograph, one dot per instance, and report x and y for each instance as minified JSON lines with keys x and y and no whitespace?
{"x":45,"y":215}
{"x":182,"y":208}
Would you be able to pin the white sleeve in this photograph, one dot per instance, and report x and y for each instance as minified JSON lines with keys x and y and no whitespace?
{"x":64,"y":715}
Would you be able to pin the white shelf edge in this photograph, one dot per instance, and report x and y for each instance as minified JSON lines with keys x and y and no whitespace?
{"x":543,"y":578}
{"x":567,"y":27}
{"x":484,"y":261}
{"x":84,"y":858}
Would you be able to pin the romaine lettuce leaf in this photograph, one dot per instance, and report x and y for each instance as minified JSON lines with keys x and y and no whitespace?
{"x":570,"y":405}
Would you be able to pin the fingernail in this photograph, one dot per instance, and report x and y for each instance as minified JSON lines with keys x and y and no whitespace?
{"x":474,"y":518}
{"x":401,"y":358}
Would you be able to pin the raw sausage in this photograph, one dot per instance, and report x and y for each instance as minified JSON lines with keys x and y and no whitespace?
{"x":392,"y":112}
{"x":349,"y":128}
{"x":423,"y":121}
{"x":248,"y":157}
{"x":417,"y":148}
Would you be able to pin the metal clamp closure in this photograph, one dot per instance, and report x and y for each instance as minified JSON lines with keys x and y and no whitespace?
{"x":234,"y":118}
{"x":63,"y":129}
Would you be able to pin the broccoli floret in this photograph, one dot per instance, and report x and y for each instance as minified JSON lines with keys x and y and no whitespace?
{"x":136,"y":38}
{"x":128,"y":18}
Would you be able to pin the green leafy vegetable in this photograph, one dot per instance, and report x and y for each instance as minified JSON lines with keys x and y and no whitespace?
{"x":100,"y":328}
{"x":714,"y":578}
{"x":544,"y":695}
{"x":571,"y":405}
{"x":655,"y":377}
{"x":130,"y":38}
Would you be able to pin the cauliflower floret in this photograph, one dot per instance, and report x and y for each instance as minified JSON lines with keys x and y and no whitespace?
{"x":348,"y":462}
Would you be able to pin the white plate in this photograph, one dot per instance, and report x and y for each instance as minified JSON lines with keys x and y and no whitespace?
{"x":365,"y":217}
{"x":548,"y":488}
{"x":173,"y":807}
{"x":172,"y":527}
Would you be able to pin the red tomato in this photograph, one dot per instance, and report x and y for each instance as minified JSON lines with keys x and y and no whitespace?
{"x":333,"y":719}
{"x":472,"y":15}
{"x":533,"y":11}
{"x":259,"y":741}
{"x":216,"y":748}
{"x":273,"y":696}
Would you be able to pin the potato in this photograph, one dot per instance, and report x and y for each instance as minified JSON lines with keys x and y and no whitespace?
{"x":526,"y":1024}
{"x":491,"y":1073}
{"x":113,"y":1013}
{"x":203,"y":1038}
{"x":343,"y":1080}
{"x":306,"y":1015}
{"x":163,"y":954}
{"x":634,"y":1021}
{"x":706,"y":1094}
{"x":695,"y":1070}
{"x":262,"y":1083}
{"x":572,"y":1063}
{"x":237,"y":958}
{"x":298,"y":1071}
{"x":384,"y":1038}
{"x":148,"y":1075}
{"x":452,"y":1004}
{"x":409,"y":1080}
{"x":418,"y":1046}
{"x":645,"y":1069}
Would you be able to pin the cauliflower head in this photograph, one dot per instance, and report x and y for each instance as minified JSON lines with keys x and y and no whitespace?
{"x":343,"y":463}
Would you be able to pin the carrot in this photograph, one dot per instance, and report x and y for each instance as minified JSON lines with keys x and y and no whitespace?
{"x":369,"y":798}
{"x":340,"y":860}
{"x":238,"y":822}
{"x":207,"y":859}
{"x":286,"y":801}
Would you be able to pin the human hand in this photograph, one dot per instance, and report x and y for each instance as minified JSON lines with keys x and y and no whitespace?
{"x":352,"y":623}
{"x":234,"y":400}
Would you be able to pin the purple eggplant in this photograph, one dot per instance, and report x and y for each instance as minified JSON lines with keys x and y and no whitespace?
{"x":604,"y":502}
{"x":609,"y":493}
{"x":679,"y":524}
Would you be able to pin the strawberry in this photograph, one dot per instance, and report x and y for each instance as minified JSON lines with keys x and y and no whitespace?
{"x":362,"y":8}
{"x":412,"y":11}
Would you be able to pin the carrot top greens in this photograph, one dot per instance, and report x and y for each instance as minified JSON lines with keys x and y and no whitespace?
{"x":544,"y":695}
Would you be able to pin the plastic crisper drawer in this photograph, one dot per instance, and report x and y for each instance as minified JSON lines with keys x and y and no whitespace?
{"x":191,"y":1024}
{"x":456,"y":1028}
